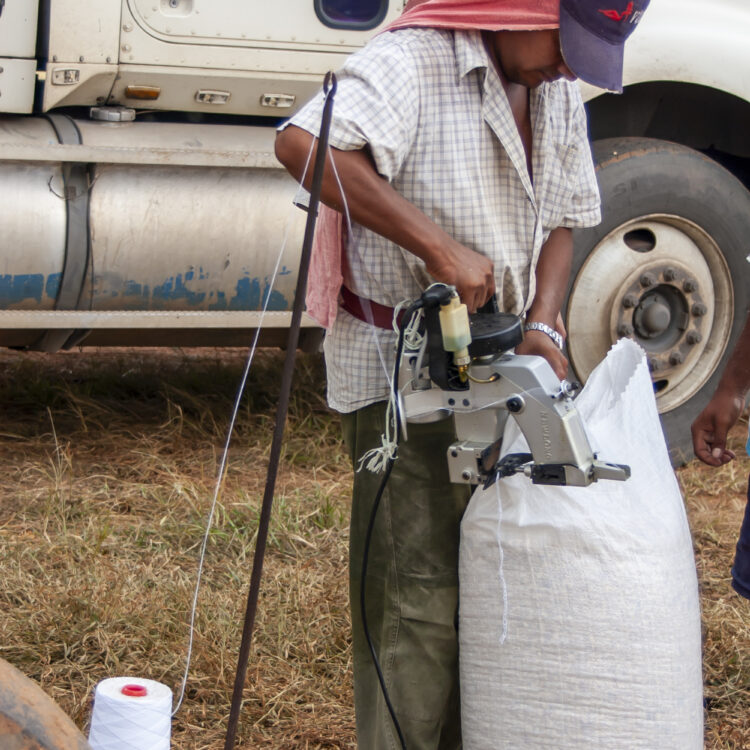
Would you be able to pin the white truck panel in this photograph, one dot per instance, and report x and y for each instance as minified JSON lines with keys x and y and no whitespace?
{"x":238,"y":92}
{"x":91,"y":83}
{"x":84,"y":31}
{"x":145,"y":143}
{"x":17,"y":77}
{"x":142,"y":44}
{"x":230,"y":23}
{"x":691,"y":42}
{"x":18,"y":29}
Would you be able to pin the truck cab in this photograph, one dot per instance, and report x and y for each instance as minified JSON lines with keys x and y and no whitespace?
{"x":141,"y":203}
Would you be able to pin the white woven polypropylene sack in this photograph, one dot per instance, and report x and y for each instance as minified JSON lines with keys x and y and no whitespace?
{"x":579,"y":621}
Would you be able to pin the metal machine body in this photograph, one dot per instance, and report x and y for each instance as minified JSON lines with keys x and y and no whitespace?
{"x":499,"y":384}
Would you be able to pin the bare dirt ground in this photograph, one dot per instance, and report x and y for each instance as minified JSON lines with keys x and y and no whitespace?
{"x":108,"y":461}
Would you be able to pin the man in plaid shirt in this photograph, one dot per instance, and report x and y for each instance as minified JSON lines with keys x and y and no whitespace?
{"x":459,"y":143}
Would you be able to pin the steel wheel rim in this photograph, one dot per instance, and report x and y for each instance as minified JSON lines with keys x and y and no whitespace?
{"x":662,"y":281}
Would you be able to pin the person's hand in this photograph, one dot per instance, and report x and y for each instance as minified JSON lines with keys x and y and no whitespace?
{"x":539,"y":343}
{"x":560,"y":326}
{"x":711,"y":426}
{"x":471,"y":273}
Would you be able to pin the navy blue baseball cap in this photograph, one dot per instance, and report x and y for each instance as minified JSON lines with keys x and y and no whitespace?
{"x":592,"y":38}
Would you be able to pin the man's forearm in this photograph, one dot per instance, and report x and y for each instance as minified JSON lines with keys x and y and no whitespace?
{"x":373,"y":203}
{"x":552,"y":273}
{"x":371,"y":200}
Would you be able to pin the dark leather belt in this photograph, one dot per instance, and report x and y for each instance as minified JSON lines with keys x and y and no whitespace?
{"x":368,"y":311}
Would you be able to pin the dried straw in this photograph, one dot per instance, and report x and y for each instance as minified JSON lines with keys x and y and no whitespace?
{"x":107,"y":464}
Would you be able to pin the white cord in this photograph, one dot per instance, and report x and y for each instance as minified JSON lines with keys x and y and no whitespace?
{"x":349,"y":236}
{"x":225,"y":452}
{"x":501,"y":574}
{"x":376,"y":459}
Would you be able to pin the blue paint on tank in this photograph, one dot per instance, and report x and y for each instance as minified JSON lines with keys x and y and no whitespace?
{"x":248,"y":296}
{"x":174,"y":289}
{"x":52,"y":287}
{"x":249,"y":293}
{"x":277,"y":301}
{"x":180,"y":292}
{"x":23,"y":287}
{"x":221,"y":302}
{"x":134,"y":289}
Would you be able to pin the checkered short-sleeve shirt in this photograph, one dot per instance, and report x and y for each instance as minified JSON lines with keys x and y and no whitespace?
{"x":432,"y":110}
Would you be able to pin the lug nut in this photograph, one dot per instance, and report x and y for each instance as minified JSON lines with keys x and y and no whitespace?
{"x":625,"y":329}
{"x":670,"y":274}
{"x":689,"y":285}
{"x":676,"y":358}
{"x":653,"y":364}
{"x":693,"y":337}
{"x":648,"y":279}
{"x":630,"y":300}
{"x":699,"y":309}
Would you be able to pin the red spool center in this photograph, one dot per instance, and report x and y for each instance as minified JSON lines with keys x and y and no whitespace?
{"x":135,"y":691}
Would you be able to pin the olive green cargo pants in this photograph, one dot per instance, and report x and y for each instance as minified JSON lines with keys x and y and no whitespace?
{"x":411,"y":589}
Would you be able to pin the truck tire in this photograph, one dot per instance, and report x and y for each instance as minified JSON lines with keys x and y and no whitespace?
{"x":666,"y":267}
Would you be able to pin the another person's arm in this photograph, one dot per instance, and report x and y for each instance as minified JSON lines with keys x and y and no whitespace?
{"x":712,"y":425}
{"x":375,"y":204}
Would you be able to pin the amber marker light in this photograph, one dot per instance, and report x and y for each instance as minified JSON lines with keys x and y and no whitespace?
{"x":142,"y":92}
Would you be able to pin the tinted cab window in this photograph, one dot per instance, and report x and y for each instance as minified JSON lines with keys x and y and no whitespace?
{"x":351,"y":14}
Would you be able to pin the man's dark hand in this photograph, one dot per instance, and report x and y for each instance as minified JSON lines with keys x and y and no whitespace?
{"x":471,"y":274}
{"x":712,"y":425}
{"x":539,"y":343}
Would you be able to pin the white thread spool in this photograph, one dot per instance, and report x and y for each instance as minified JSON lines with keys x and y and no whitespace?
{"x":131,"y":713}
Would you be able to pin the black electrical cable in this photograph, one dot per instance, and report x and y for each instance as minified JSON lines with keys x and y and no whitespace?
{"x":408,"y":314}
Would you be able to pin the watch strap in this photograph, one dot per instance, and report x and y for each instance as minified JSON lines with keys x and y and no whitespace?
{"x":544,"y":328}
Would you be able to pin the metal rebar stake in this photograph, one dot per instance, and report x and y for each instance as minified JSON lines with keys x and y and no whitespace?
{"x":329,"y":88}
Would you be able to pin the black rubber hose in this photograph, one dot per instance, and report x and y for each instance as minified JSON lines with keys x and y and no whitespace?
{"x":408,"y":314}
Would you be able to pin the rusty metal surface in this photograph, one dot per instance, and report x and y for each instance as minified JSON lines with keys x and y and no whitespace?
{"x":30,"y":719}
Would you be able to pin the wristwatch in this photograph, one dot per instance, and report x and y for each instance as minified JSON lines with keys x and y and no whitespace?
{"x":544,"y":328}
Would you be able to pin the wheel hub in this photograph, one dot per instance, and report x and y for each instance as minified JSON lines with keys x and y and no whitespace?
{"x":663,"y":310}
{"x":651,"y":317}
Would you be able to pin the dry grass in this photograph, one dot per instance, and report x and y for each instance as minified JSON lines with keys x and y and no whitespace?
{"x":716,"y":502}
{"x":107,"y":465}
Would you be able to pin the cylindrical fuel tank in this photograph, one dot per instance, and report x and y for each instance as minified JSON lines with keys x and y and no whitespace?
{"x":163,"y":235}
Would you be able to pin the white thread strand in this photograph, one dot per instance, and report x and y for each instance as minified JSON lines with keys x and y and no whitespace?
{"x":368,"y":311}
{"x":376,"y":459}
{"x":125,"y":722}
{"x":501,"y":573}
{"x":225,"y":452}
